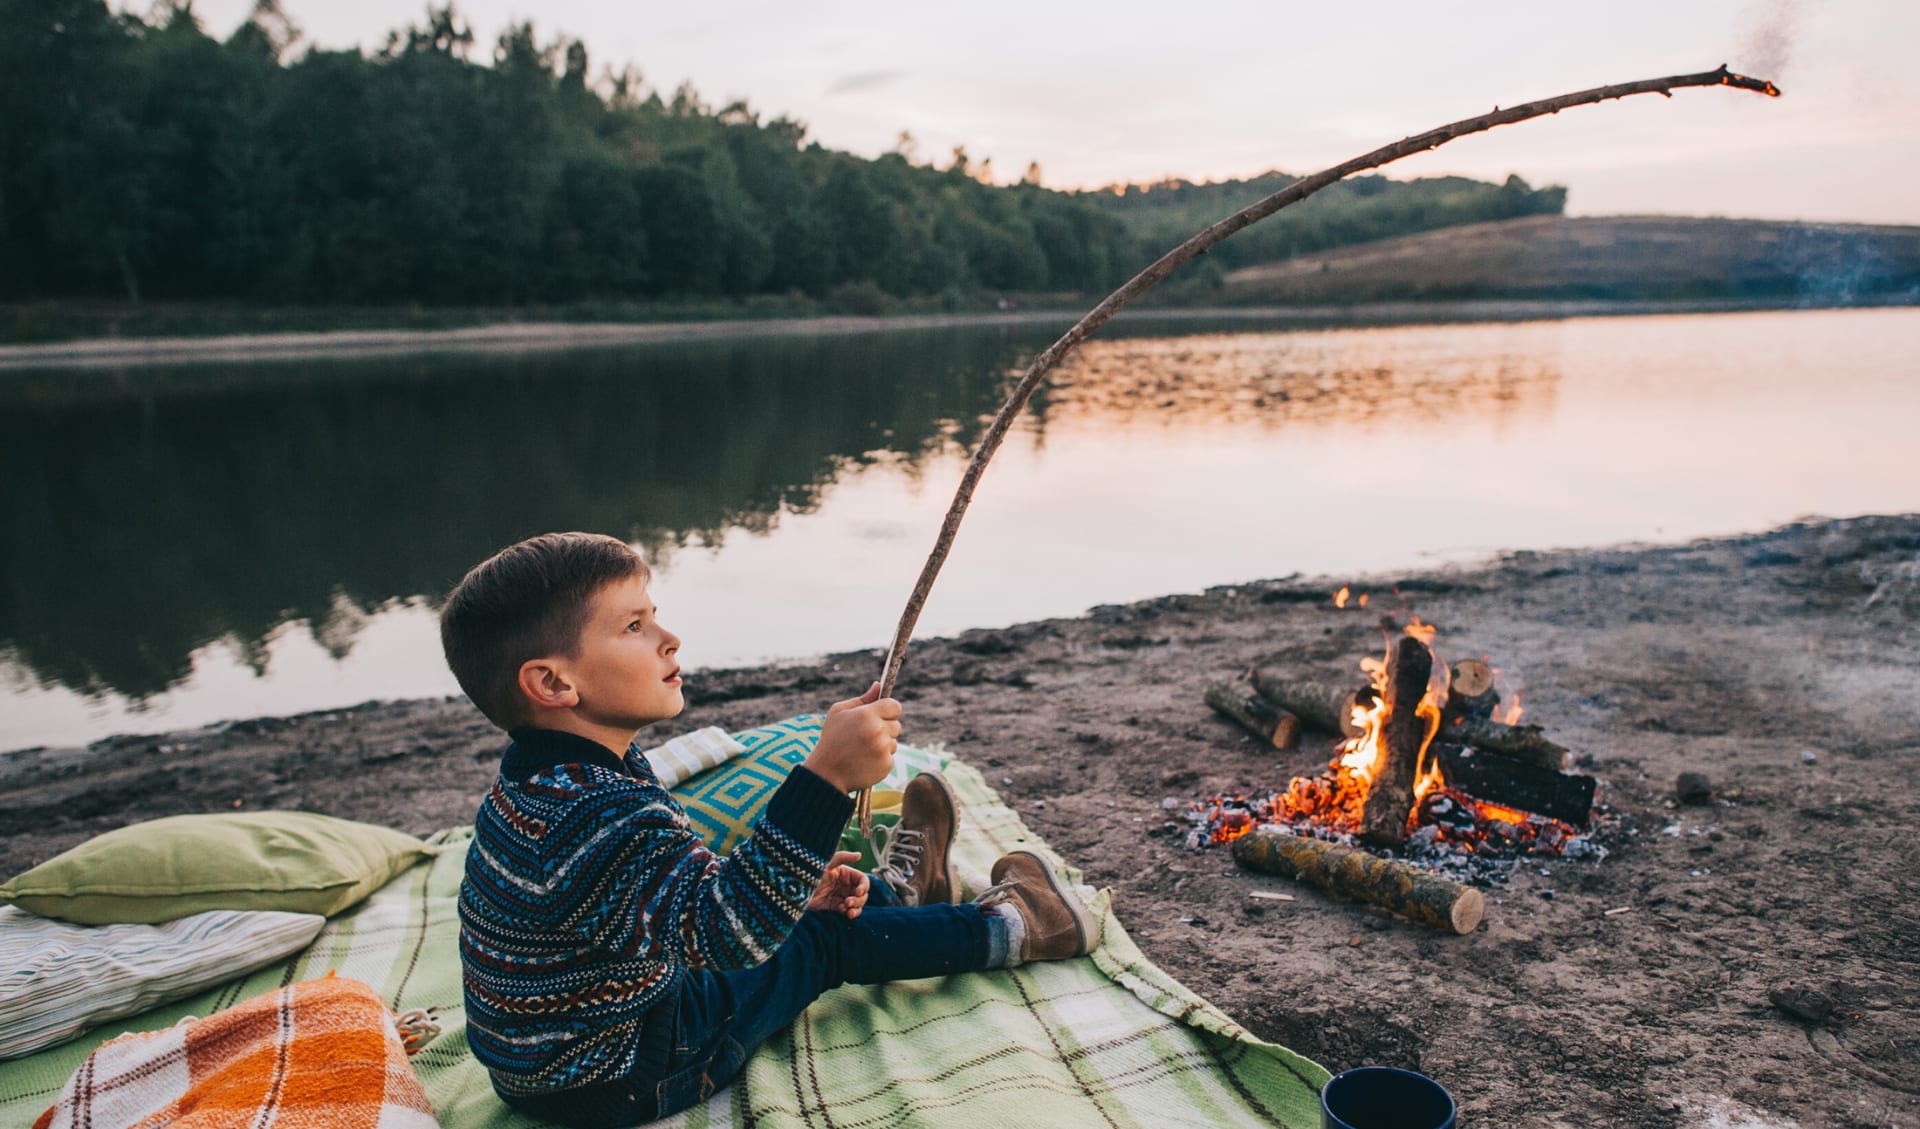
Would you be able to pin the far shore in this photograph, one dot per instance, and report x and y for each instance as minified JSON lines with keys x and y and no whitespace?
{"x":120,"y":352}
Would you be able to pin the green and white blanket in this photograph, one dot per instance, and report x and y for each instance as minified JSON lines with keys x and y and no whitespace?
{"x":1108,"y":1040}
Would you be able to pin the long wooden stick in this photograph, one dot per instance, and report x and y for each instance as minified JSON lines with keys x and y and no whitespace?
{"x":1198,"y":245}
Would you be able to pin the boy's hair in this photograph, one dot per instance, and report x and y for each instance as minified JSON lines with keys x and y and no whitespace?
{"x":528,"y":601}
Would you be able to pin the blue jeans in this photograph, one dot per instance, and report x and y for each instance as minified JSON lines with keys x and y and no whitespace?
{"x":716,"y":1019}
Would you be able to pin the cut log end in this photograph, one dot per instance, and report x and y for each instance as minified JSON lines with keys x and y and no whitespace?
{"x":1470,"y":678}
{"x":1468,"y":909}
{"x":1470,"y":694}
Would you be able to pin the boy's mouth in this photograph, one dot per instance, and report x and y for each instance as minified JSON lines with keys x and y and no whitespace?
{"x":673,"y":679}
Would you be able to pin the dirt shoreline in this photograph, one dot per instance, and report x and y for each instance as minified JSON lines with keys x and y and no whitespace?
{"x":1784,"y":665}
{"x":120,"y":352}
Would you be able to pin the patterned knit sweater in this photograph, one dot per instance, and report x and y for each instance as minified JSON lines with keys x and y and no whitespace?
{"x":586,"y":896}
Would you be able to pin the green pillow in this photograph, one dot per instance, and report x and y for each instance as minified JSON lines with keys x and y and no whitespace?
{"x":294,"y":861}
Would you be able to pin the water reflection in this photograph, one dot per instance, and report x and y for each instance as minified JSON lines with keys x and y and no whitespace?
{"x":148,"y":516}
{"x":152,"y":512}
{"x":1317,"y":379}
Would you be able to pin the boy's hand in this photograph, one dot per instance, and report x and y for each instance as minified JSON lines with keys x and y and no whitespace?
{"x":857,"y":742}
{"x":842,"y":889}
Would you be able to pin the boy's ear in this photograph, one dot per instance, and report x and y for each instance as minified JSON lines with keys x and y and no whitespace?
{"x":546,"y":685}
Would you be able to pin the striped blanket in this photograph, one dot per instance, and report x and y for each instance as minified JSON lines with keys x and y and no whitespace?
{"x":323,"y":1054}
{"x":1108,"y":1040}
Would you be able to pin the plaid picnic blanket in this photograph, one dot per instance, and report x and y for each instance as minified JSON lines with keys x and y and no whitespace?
{"x":323,"y":1054}
{"x":1107,"y":1040}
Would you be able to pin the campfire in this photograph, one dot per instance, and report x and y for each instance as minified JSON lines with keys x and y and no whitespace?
{"x":1433,"y":768}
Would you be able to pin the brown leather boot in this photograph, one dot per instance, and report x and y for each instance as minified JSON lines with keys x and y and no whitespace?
{"x":1057,"y":925}
{"x":914,"y":862}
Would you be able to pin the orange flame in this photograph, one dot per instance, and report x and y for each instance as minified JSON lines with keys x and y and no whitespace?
{"x":1509,"y":710}
{"x":1340,"y":597}
{"x":1340,"y":796}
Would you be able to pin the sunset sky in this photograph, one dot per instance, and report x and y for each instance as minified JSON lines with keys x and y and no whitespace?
{"x":1214,"y":89}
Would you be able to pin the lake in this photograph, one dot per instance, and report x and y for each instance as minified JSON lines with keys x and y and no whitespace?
{"x":188,"y":544}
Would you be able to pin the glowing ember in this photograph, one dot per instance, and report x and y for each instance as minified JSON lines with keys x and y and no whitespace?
{"x":1454,"y":834}
{"x":1444,"y":816}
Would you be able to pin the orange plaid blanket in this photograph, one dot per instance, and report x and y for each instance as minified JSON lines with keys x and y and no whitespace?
{"x":320,"y":1054}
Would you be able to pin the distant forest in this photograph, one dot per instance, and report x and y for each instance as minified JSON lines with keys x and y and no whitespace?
{"x":141,"y":158}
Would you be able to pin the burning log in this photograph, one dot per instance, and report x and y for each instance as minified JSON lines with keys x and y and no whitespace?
{"x":1325,"y":706}
{"x":1319,"y":704}
{"x":1352,"y":873}
{"x":1403,"y":733}
{"x":1520,"y":742}
{"x":1502,"y":780}
{"x":1254,"y":714}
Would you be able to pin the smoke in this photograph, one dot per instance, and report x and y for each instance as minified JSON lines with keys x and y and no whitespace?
{"x":1766,"y":38}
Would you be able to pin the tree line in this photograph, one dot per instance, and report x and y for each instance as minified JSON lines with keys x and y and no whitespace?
{"x":141,"y":157}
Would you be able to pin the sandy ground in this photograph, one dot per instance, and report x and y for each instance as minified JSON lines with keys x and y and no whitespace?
{"x":1785,"y":666}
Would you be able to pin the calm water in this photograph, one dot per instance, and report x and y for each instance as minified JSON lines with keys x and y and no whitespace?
{"x":187,"y":545}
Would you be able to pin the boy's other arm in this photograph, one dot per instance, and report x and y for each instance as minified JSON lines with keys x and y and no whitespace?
{"x":678,"y":901}
{"x":649,"y":887}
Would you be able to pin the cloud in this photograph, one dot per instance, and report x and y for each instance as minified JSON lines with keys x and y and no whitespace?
{"x":863,"y":80}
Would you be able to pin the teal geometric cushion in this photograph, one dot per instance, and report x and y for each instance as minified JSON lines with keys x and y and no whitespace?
{"x":724,"y":803}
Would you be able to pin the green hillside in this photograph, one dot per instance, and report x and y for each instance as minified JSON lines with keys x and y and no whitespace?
{"x":1356,"y":210}
{"x":1617,"y":257}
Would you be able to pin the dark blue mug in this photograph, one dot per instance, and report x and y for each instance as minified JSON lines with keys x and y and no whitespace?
{"x":1384,"y":1097}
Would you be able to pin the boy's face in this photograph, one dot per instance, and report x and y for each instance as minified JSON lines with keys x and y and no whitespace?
{"x":626,"y":672}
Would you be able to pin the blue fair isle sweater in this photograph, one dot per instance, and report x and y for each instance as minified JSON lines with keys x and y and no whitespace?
{"x":586,"y":896}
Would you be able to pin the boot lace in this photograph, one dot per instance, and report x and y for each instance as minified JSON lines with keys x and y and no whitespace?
{"x":417,"y":1027}
{"x":898,"y":857}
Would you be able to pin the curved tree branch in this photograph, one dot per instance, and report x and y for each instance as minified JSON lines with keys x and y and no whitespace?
{"x":1179,"y":256}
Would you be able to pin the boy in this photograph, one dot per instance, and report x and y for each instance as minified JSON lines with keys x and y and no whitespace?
{"x":615,"y":971}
